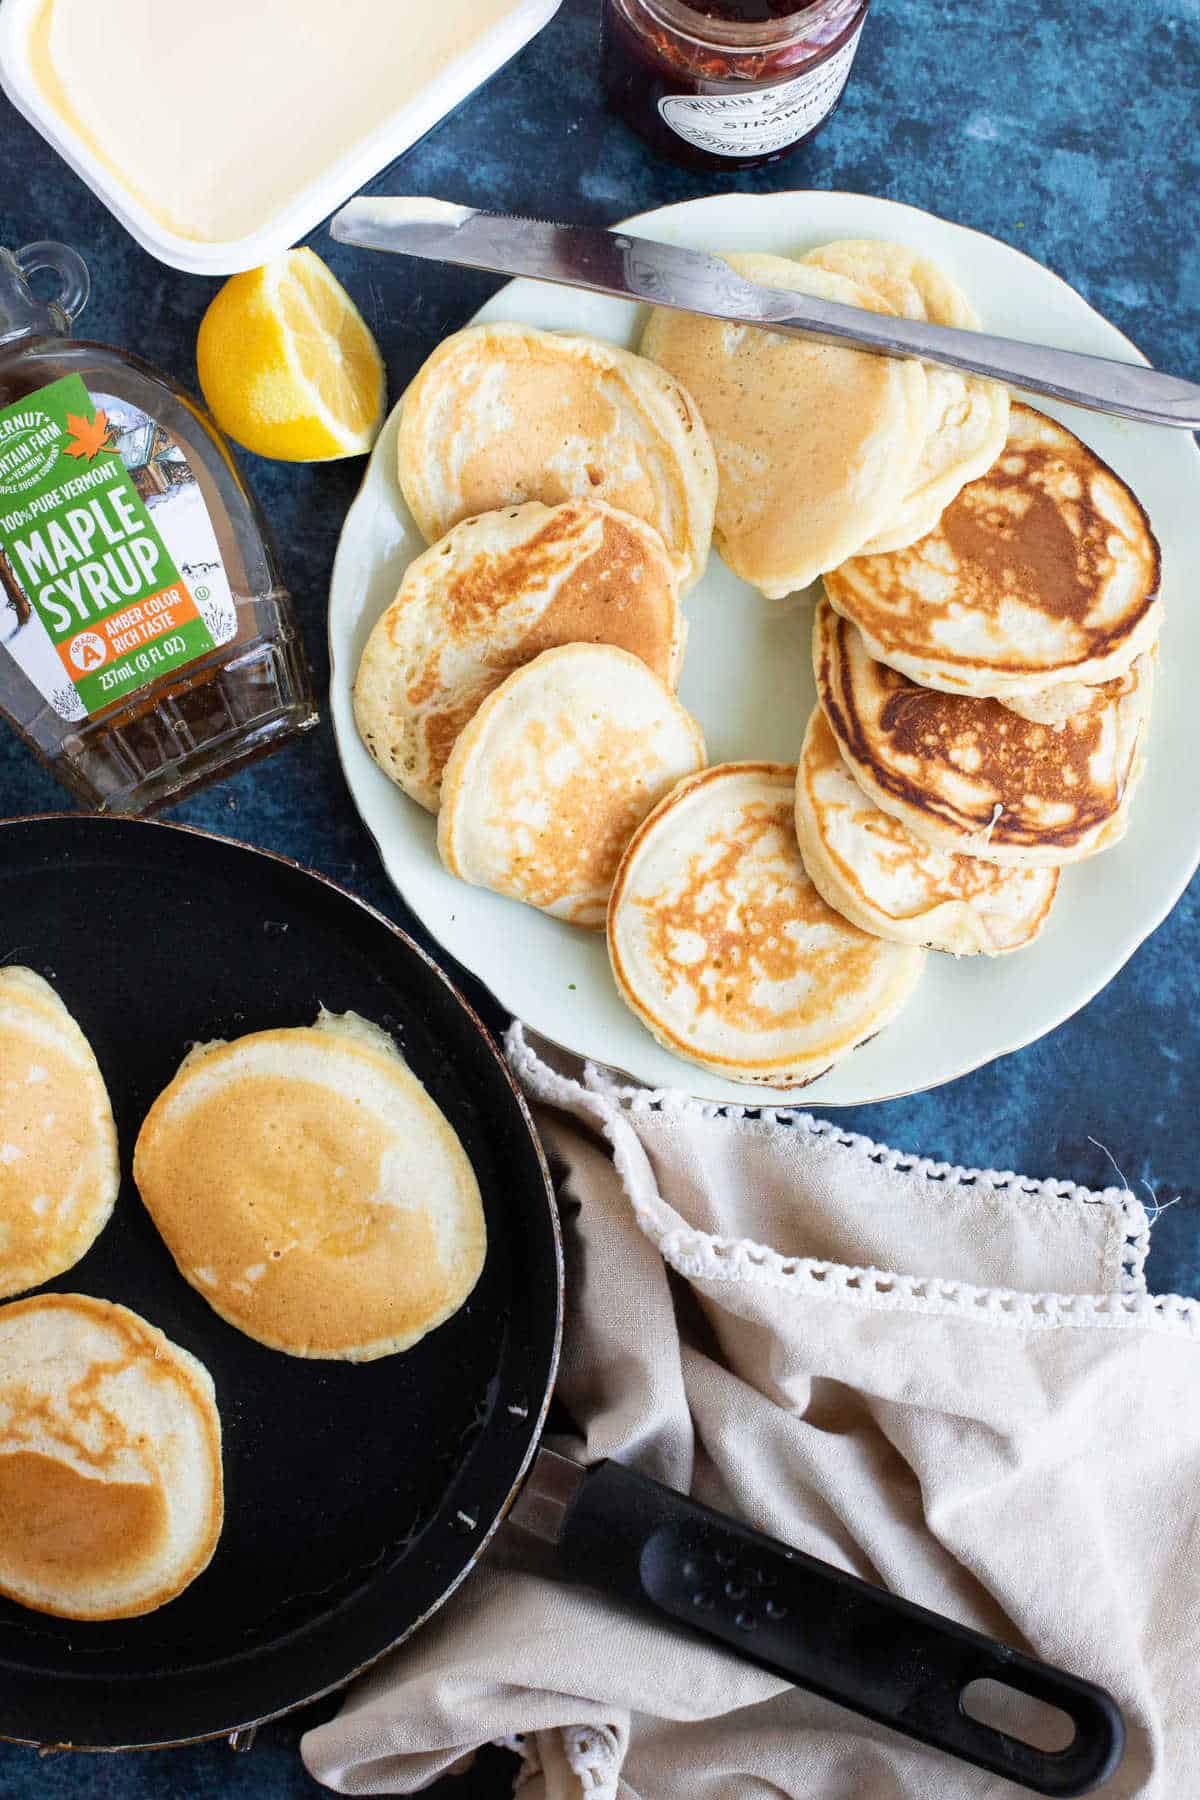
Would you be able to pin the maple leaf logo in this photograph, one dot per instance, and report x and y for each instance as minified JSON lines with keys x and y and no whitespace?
{"x":88,"y":437}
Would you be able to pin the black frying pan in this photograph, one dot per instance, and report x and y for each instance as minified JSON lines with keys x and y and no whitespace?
{"x":357,"y":1497}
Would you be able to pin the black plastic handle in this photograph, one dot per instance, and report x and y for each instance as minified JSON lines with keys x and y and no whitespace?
{"x":826,"y":1630}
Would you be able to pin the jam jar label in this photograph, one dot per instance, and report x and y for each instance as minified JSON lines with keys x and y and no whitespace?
{"x":760,"y":120}
{"x":110,"y":574}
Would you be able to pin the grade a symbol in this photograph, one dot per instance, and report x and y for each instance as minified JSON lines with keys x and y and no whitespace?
{"x":88,"y":651}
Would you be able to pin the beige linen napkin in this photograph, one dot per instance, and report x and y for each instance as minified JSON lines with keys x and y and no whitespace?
{"x":950,"y":1382}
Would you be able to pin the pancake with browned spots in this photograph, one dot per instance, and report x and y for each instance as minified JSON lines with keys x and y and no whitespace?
{"x":495,"y":593}
{"x":1043,"y":571}
{"x":722,"y":946}
{"x":59,"y":1172}
{"x":501,"y":414}
{"x":552,"y":776}
{"x":971,"y":775}
{"x":872,"y":869}
{"x":111,"y":1495}
{"x":311,"y":1191}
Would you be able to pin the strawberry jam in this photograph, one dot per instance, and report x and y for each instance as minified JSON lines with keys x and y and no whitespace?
{"x":728,"y":84}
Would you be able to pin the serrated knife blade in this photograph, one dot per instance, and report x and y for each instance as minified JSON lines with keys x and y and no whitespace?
{"x":635,"y":268}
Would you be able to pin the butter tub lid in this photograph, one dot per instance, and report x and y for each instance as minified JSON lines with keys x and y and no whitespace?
{"x":467,"y":63}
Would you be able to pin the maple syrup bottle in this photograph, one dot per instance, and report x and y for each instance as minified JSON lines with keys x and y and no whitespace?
{"x":146,"y":644}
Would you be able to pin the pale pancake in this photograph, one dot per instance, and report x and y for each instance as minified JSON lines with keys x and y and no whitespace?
{"x":1053,"y":706}
{"x":501,"y":414}
{"x":497,"y":591}
{"x":111,"y":1497}
{"x":816,"y":446}
{"x":552,"y":776}
{"x":1043,"y":571}
{"x":971,"y":775}
{"x":59,"y":1170}
{"x":911,"y":284}
{"x":872,"y":869}
{"x":968,"y":416}
{"x":308,"y":1187}
{"x":723,"y":947}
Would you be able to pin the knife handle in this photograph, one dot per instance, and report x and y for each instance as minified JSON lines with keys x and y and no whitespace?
{"x":824,"y":1629}
{"x":1129,"y":390}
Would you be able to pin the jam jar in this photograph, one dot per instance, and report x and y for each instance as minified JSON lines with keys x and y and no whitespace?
{"x":147,"y":645}
{"x":728,"y":84}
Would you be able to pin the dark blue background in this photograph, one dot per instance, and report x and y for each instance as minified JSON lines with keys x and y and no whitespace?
{"x":1068,"y":128}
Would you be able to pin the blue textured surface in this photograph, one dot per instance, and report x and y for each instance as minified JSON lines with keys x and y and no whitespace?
{"x":1068,"y":129}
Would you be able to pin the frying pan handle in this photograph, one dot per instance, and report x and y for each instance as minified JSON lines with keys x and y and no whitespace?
{"x":826,"y":1630}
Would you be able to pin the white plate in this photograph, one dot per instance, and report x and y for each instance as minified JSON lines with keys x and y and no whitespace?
{"x":749,"y":681}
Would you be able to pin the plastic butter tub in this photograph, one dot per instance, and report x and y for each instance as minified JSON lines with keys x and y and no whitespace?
{"x":221,"y":133}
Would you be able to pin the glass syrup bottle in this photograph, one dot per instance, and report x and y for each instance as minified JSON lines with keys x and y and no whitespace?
{"x":147,"y":645}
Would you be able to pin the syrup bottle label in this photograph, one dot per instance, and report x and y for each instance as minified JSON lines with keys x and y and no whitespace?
{"x":110,"y":575}
{"x":761,"y":120}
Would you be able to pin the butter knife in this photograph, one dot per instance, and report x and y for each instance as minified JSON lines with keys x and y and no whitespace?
{"x":635,"y":268}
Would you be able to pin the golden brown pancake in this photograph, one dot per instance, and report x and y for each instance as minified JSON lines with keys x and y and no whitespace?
{"x":501,"y":414}
{"x":111,"y":1497}
{"x":308,"y":1187}
{"x":725,"y":950}
{"x":549,"y":780}
{"x":59,"y":1172}
{"x":1043,"y":571}
{"x":972,"y":776}
{"x":497,"y":591}
{"x":871,"y":868}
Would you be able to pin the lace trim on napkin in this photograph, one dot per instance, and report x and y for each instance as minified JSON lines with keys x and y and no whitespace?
{"x":593,"y":1754}
{"x":1129,"y":1242}
{"x":698,"y":1254}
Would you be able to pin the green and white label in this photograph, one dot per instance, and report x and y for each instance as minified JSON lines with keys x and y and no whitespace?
{"x":110,"y":574}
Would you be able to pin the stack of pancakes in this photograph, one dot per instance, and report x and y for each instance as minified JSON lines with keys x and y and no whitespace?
{"x":983,"y":655}
{"x":988,"y":689}
{"x":522,"y":683}
{"x":522,"y":686}
{"x":984,"y":650}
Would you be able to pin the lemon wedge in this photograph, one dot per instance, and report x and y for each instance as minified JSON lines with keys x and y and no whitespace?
{"x":288,"y":365}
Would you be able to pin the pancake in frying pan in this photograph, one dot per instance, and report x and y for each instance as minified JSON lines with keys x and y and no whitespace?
{"x":723,"y":947}
{"x":968,"y":416}
{"x":310,"y":1190}
{"x":497,"y":591}
{"x":501,"y":414}
{"x":548,"y":782}
{"x":972,"y":776}
{"x":816,"y":445}
{"x":59,"y":1172}
{"x":1043,"y":571}
{"x":872,"y":869}
{"x":111,"y":1497}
